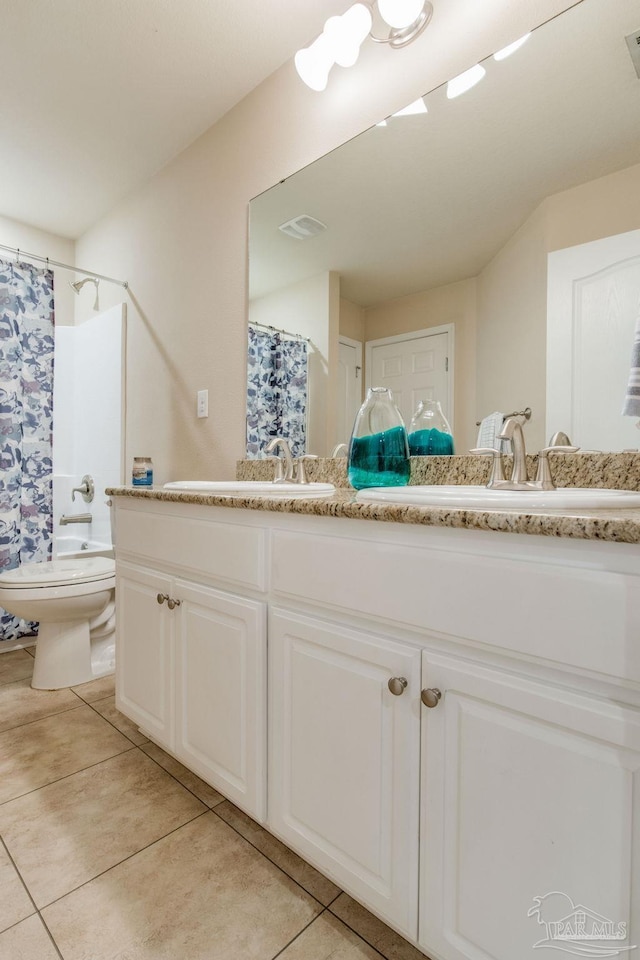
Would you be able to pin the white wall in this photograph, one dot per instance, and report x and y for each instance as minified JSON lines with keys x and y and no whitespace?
{"x":181,"y":240}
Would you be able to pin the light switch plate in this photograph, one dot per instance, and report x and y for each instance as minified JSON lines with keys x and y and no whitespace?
{"x":203,"y":403}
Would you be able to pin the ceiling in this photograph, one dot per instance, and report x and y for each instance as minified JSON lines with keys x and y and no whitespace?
{"x":98,"y":95}
{"x":430,"y":199}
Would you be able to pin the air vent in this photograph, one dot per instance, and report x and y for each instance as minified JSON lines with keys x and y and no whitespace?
{"x":302,"y":227}
{"x":633,"y":42}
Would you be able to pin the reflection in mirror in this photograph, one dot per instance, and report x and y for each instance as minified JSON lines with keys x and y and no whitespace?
{"x":506,"y":220}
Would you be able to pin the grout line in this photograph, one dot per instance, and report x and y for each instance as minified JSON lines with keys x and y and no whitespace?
{"x":35,"y":907}
{"x":168,"y":772}
{"x":124,"y":859}
{"x":47,"y":716}
{"x":362,"y":936}
{"x":274,"y":862}
{"x":55,"y":945}
{"x":298,"y":934}
{"x":111,"y":722}
{"x":49,"y":783}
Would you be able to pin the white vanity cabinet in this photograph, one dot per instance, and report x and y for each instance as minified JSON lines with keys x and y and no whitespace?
{"x":191,"y":658}
{"x":468,"y":821}
{"x":344,"y":758}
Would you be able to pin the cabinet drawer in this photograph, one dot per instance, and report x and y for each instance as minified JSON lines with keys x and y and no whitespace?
{"x":229,"y":552}
{"x":574,"y":615}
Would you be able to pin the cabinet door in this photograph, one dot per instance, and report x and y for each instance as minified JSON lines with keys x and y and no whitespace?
{"x":221,"y":692}
{"x":144,"y":651}
{"x":343,"y":759}
{"x":530,"y":821}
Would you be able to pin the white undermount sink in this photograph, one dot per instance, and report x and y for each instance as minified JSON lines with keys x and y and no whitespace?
{"x":251,"y":488}
{"x":476,"y":497}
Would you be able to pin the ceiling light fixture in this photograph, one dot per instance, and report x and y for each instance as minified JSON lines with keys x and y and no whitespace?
{"x":341,"y":39}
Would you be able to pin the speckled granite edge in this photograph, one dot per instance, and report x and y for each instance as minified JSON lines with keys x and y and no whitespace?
{"x":618,"y":471}
{"x":614,"y":526}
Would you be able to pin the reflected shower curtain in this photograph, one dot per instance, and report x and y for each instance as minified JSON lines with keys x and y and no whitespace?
{"x":26,"y":423}
{"x":276,"y":391}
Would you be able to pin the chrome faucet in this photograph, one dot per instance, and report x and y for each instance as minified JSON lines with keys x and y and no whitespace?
{"x":284,"y":467}
{"x":512,"y":431}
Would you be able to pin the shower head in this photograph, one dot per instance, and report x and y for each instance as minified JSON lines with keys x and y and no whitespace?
{"x":77,"y":285}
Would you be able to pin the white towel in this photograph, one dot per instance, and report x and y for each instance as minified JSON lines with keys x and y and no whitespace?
{"x":632,"y":399}
{"x":489,"y":430}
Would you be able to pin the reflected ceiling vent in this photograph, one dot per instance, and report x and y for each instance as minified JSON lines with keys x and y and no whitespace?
{"x":302,"y":227}
{"x":633,"y":42}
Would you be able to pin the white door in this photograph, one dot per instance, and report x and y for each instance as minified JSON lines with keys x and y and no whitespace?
{"x":593,"y":304}
{"x":144,"y":651}
{"x":531,"y":812}
{"x":349,"y":387}
{"x":417,"y":366}
{"x":343,"y":759}
{"x":221,"y":650}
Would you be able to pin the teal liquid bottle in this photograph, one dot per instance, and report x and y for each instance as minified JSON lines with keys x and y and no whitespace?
{"x":429,"y":432}
{"x":379,"y":449}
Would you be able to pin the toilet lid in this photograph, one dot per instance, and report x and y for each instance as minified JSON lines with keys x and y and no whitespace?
{"x":59,"y":572}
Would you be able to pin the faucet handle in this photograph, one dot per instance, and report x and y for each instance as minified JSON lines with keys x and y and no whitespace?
{"x":301,"y":474}
{"x":543,"y":475}
{"x":497,"y":468}
{"x":278,"y":469}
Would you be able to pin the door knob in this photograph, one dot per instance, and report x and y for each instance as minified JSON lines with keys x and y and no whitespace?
{"x":171,"y":603}
{"x":162,"y":597}
{"x":397,"y":685}
{"x":431,"y":697}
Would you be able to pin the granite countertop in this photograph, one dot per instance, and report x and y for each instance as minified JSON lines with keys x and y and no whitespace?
{"x":613,"y":525}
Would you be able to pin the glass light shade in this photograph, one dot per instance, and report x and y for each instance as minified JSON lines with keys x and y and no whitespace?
{"x":400,"y":13}
{"x":465,"y":81}
{"x":507,"y":51}
{"x":314,"y":63}
{"x":418,"y":106}
{"x":345,"y":34}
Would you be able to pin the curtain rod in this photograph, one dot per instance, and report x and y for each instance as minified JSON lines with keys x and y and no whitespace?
{"x":63,"y":266}
{"x":265,"y":326}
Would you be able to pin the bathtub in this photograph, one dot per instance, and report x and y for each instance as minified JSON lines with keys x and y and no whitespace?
{"x":72,"y":547}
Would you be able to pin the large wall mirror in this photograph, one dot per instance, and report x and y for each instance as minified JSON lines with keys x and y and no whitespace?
{"x":486,"y":252}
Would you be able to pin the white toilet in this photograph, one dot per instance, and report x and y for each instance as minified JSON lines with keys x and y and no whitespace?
{"x":74,"y":603}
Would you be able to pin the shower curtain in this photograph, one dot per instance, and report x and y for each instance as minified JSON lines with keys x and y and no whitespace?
{"x":276,"y":391}
{"x":26,"y":423}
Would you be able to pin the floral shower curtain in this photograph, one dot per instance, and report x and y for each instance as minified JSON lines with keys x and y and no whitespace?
{"x":26,"y":423}
{"x":276,"y":391}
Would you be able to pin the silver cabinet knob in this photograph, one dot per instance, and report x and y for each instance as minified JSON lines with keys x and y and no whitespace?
{"x":397,"y":685}
{"x":162,"y":597}
{"x":431,"y":697}
{"x":171,"y":603}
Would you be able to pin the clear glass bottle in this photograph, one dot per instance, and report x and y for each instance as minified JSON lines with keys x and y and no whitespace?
{"x":429,"y":431}
{"x":379,"y":451}
{"x":142,"y":472}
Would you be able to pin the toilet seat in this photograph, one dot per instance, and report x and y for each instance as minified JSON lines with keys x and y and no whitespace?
{"x":51,"y":573}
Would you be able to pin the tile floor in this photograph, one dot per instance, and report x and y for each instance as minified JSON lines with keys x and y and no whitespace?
{"x":112,"y":850}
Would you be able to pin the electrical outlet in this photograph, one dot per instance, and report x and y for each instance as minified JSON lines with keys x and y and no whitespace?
{"x":203,"y":403}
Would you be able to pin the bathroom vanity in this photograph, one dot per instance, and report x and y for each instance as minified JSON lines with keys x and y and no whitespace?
{"x":444,"y":721}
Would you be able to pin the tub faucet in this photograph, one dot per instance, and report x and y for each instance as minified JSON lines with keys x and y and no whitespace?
{"x":284,"y":470}
{"x":76,"y":518}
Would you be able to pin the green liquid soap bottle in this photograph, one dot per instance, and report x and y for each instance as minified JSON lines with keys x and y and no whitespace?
{"x":379,"y":449}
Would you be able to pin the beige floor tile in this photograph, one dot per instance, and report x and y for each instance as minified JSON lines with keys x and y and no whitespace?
{"x":192,"y":782}
{"x":202,"y":893}
{"x":67,"y":833}
{"x":20,"y":704}
{"x":107,"y":709}
{"x":39,"y":753}
{"x":303,"y":873}
{"x":328,"y":939}
{"x":15,"y":665}
{"x":15,"y":903}
{"x":389,"y":943}
{"x":27,"y":941}
{"x":96,"y":689}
